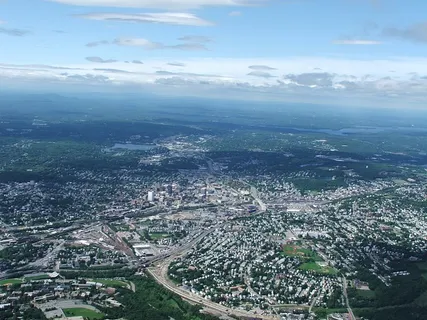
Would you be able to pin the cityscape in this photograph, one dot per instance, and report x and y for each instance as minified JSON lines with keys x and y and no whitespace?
{"x":213,"y":160}
{"x":332,"y":235}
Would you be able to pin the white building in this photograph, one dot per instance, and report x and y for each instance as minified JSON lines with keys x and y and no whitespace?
{"x":150,"y":196}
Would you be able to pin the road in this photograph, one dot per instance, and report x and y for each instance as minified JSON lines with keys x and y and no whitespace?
{"x":313,"y":302}
{"x":254,"y":194}
{"x":132,"y":286}
{"x":43,"y":262}
{"x":175,"y":252}
{"x":350,"y":312}
{"x":160,"y":274}
{"x":161,"y":277}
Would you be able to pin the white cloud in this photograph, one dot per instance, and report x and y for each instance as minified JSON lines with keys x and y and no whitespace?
{"x":100,"y":60}
{"x":176,"y":64}
{"x":261,"y":68}
{"x":174,"y":18}
{"x":138,"y":42}
{"x":150,"y":45}
{"x":96,"y":43}
{"x":160,"y":4}
{"x":345,"y":78}
{"x":357,"y":42}
{"x":261,"y":74}
{"x":200,"y":39}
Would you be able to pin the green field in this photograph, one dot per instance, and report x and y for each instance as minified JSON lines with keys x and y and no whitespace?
{"x":159,"y":235}
{"x":111,"y":282}
{"x":313,"y":266}
{"x":40,"y":277}
{"x":10,"y":281}
{"x":367,"y":294}
{"x":82,"y":312}
{"x":298,"y":251}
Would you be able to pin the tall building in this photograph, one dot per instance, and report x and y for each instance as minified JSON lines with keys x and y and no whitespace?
{"x":150,"y":196}
{"x":169,"y":189}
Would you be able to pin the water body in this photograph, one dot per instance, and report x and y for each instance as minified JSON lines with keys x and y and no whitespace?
{"x":130,"y":146}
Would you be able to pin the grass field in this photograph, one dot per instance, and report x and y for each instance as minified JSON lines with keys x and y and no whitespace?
{"x":298,"y":251}
{"x":313,"y":266}
{"x":10,"y":281}
{"x":82,"y":312}
{"x":40,"y":277}
{"x":368,"y":294}
{"x":159,"y":235}
{"x":111,"y":282}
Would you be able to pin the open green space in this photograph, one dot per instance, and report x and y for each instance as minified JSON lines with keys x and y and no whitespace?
{"x":6,"y":282}
{"x":159,"y":235}
{"x":367,"y":294}
{"x":323,"y":312}
{"x":294,"y":250}
{"x":39,"y":277}
{"x":83,"y":312}
{"x":152,"y":301}
{"x":111,"y":282}
{"x":313,"y":266}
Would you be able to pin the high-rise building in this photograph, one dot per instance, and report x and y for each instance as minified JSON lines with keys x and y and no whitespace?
{"x":169,"y":189}
{"x":150,"y":196}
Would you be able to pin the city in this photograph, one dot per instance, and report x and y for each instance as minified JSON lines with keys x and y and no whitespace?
{"x":239,"y":245}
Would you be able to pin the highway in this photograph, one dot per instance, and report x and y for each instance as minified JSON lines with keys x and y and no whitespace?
{"x":43,"y":262}
{"x":160,"y":274}
{"x":254,"y":194}
{"x":313,"y":302}
{"x":350,"y":312}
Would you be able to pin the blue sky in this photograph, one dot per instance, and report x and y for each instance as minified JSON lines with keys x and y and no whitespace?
{"x":366,"y":50}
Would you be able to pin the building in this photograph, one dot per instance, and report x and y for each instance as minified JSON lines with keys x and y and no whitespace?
{"x":150,"y":196}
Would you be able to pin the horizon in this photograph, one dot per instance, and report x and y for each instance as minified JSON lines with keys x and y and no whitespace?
{"x":289,"y":51}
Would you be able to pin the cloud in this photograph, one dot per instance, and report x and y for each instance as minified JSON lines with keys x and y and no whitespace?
{"x":111,"y":70}
{"x":14,"y":32}
{"x":173,"y":18}
{"x":100,"y":60}
{"x":185,"y":74}
{"x":150,"y":45}
{"x":342,"y":81}
{"x":38,"y":66}
{"x":235,"y":13}
{"x":176,"y":64}
{"x":198,"y":39}
{"x":312,"y":79}
{"x":415,"y":33}
{"x":261,"y":68}
{"x":161,"y":4}
{"x":137,"y":62}
{"x":97,"y":43}
{"x":357,"y":42}
{"x":261,"y":74}
{"x":88,"y":78}
{"x":138,"y":42}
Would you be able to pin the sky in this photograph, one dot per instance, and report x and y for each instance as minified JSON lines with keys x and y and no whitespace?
{"x":358,"y":51}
